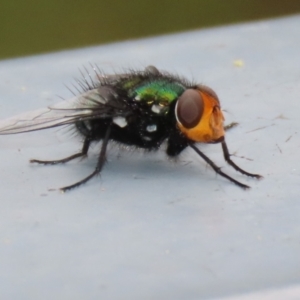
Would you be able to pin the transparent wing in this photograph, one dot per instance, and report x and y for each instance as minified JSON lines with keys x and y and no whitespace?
{"x":100,"y":103}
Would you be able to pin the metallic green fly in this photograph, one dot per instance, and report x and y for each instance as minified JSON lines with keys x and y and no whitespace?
{"x":139,"y":108}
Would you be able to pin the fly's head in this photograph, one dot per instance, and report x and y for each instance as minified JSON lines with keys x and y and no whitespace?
{"x":199,"y":116}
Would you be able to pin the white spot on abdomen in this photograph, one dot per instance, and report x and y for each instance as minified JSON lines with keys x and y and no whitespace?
{"x":151,"y":128}
{"x":156,"y":108}
{"x":120,"y":121}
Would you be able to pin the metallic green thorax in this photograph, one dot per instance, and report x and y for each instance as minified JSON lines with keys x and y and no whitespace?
{"x":155,"y":90}
{"x":164,"y":92}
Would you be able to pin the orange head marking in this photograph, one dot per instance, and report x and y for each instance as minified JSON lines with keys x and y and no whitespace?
{"x":199,"y":115}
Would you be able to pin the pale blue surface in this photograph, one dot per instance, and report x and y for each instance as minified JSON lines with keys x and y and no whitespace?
{"x":151,"y":229}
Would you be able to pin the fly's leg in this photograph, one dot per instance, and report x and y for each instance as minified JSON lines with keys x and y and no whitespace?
{"x":101,"y":161}
{"x":85,"y":148}
{"x":218,"y":169}
{"x":230,"y":162}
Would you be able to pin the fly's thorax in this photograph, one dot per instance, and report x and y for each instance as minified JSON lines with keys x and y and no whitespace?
{"x":199,"y":116}
{"x":156,"y":95}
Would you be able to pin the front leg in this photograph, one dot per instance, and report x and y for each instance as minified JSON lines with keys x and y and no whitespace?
{"x":231,"y":163}
{"x":218,"y":169}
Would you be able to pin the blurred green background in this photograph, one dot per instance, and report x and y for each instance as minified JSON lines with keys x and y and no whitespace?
{"x":33,"y":26}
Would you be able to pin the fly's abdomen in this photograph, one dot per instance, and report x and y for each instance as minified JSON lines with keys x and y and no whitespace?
{"x":93,"y":129}
{"x":143,"y":132}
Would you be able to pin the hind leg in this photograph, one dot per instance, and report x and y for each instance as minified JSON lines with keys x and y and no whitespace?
{"x":84,"y":151}
{"x":100,"y":164}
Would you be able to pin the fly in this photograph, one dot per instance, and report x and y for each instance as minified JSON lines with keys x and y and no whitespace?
{"x":138,"y":108}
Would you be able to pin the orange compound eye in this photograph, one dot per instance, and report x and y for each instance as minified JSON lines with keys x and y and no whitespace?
{"x":189,"y":108}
